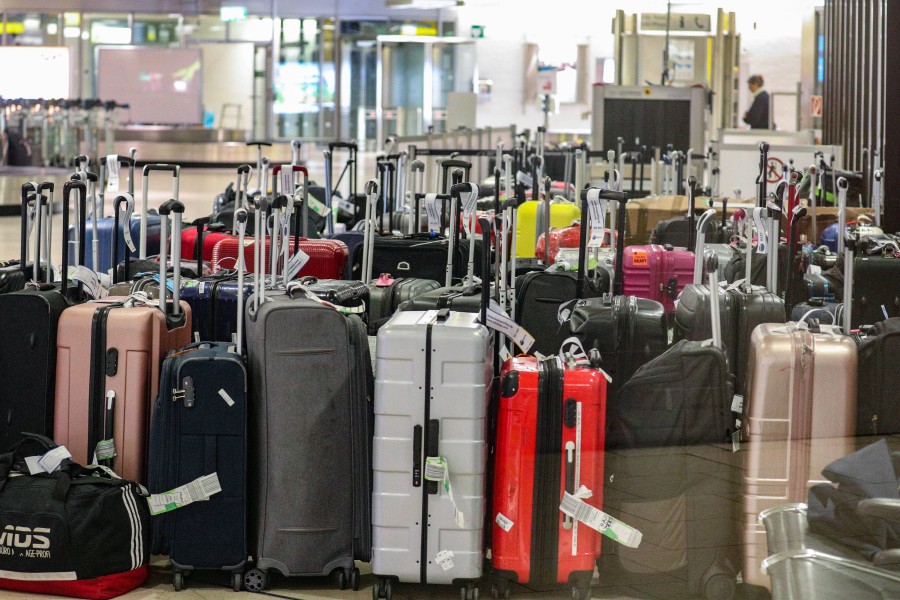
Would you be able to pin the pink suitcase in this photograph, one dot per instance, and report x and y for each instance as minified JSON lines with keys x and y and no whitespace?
{"x":107,"y":370}
{"x":799,"y":415}
{"x":657,"y":273}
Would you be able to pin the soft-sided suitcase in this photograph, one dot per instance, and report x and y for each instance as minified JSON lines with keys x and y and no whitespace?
{"x":28,"y":332}
{"x":545,"y":299}
{"x":799,"y":414}
{"x":551,"y":427}
{"x":310,"y":381}
{"x":878,"y":382}
{"x":657,"y":273}
{"x":109,"y":354}
{"x":199,"y":427}
{"x":433,"y":387}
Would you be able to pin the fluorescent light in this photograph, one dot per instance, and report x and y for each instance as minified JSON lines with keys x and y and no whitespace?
{"x":232,"y":13}
{"x":71,"y":32}
{"x":52,"y":29}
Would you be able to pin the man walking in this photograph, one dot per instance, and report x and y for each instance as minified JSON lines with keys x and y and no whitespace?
{"x":758,"y":115}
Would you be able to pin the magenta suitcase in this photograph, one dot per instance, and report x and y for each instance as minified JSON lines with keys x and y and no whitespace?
{"x":657,"y":272}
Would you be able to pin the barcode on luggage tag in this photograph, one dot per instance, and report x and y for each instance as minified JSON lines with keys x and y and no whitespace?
{"x":434,"y":470}
{"x":504,"y":522}
{"x":600,"y":521}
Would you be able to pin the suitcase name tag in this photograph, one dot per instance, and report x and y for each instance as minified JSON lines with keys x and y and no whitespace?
{"x":614,"y":529}
{"x":436,"y":469}
{"x":126,"y":222}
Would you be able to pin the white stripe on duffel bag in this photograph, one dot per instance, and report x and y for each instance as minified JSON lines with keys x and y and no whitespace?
{"x":137,"y":546}
{"x":58,"y":576}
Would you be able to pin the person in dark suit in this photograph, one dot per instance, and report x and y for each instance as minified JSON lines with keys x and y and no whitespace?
{"x":758,"y":115}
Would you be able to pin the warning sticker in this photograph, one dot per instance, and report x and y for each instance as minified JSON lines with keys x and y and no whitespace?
{"x":639,"y":258}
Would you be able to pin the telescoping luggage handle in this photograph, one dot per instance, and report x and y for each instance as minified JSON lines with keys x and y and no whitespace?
{"x":712,"y":266}
{"x":467,"y":194}
{"x":177,"y":208}
{"x":793,"y":236}
{"x":849,"y":248}
{"x":33,"y":192}
{"x":418,"y":187}
{"x":279,"y":185}
{"x":593,"y":195}
{"x":260,"y":206}
{"x":369,"y":230}
{"x":68,"y":186}
{"x":123,"y":218}
{"x":701,"y":244}
{"x":240,"y":221}
{"x":175,"y":170}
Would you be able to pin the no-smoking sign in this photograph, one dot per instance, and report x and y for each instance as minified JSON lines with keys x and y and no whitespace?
{"x":774,"y":170}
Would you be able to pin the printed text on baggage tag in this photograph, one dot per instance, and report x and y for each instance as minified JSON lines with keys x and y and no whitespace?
{"x":431,"y":209}
{"x":126,"y":226}
{"x":296,"y":263}
{"x":287,"y":180}
{"x":598,"y":520}
{"x":597,"y":210}
{"x":639,"y":258}
{"x":112,"y":174}
{"x":511,"y":329}
{"x":444,"y":559}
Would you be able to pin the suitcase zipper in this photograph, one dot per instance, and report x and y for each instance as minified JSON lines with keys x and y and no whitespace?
{"x":99,"y":368}
{"x":546,"y":496}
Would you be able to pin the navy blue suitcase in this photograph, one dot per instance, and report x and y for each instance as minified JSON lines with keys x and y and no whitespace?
{"x":199,"y":427}
{"x":352,"y":239}
{"x":105,"y":235}
{"x":214,"y":305}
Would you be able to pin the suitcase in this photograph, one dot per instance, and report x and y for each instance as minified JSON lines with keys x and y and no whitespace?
{"x":545,"y":299}
{"x":551,"y":426}
{"x":107,"y":372}
{"x":214,"y":305}
{"x":310,"y":381}
{"x":799,"y":414}
{"x":657,"y":273}
{"x":566,"y":237}
{"x":14,"y":273}
{"x":530,"y":223}
{"x":878,"y":412}
{"x":199,"y":427}
{"x":416,"y":522}
{"x":28,"y":339}
{"x":326,"y":257}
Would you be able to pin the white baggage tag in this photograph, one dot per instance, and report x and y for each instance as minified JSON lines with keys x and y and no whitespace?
{"x":737,"y":404}
{"x":502,"y":323}
{"x":33,"y":464}
{"x":597,"y":208}
{"x":814,"y":269}
{"x":126,"y":228}
{"x":112,"y":173}
{"x":469,"y":204}
{"x":287,"y":180}
{"x":436,"y":469}
{"x":196,"y":491}
{"x":504,"y":522}
{"x":578,"y":509}
{"x":51,"y":460}
{"x":434,"y":215}
{"x":505,"y":354}
{"x":89,"y":281}
{"x":444,"y":559}
{"x":226,"y":397}
{"x":524,"y":178}
{"x":317,"y":206}
{"x":296,"y":263}
{"x":762,"y":234}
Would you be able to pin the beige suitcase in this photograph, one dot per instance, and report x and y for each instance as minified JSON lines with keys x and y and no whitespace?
{"x":799,"y":415}
{"x":109,"y":354}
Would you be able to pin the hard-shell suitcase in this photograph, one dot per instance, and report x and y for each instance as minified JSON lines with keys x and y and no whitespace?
{"x":28,"y":333}
{"x":566,"y":237}
{"x":310,"y":380}
{"x":530,"y":223}
{"x":326,"y":257}
{"x":878,"y":382}
{"x":657,"y":273}
{"x":214,"y":305}
{"x":551,"y":426}
{"x":109,"y":354}
{"x":799,"y":414}
{"x":199,"y":428}
{"x":432,"y":391}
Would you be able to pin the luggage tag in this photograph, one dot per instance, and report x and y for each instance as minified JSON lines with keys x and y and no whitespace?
{"x":575,"y":507}
{"x":89,"y":280}
{"x":112,"y":174}
{"x":434,"y":215}
{"x":126,"y":219}
{"x":287,"y":179}
{"x":199,"y":490}
{"x":436,"y":469}
{"x":444,"y":559}
{"x":469,"y":205}
{"x":504,"y":522}
{"x":524,"y":178}
{"x":597,"y":208}
{"x":315,"y":205}
{"x":501,"y":322}
{"x":762,"y":234}
{"x":296,"y":263}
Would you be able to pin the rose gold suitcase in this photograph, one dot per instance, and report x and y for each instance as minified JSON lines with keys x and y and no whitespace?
{"x":799,"y":415}
{"x":107,"y":371}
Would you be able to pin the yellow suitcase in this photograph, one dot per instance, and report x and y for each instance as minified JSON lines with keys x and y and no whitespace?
{"x":528,"y":222}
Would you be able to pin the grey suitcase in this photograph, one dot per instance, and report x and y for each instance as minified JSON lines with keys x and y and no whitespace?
{"x":309,"y":436}
{"x":432,"y":391}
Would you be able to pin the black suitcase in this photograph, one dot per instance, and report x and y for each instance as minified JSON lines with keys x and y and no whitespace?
{"x":545,"y":299}
{"x":877,"y":406}
{"x":28,"y":324}
{"x":14,"y":273}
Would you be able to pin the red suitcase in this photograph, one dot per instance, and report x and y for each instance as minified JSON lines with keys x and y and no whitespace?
{"x":550,"y":439}
{"x":326,"y":257}
{"x":565,"y":237}
{"x":211,"y":236}
{"x":657,"y":272}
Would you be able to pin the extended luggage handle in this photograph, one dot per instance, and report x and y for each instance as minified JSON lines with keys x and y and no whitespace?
{"x":793,"y":236}
{"x":486,"y":227}
{"x":30,"y":190}
{"x":849,"y":240}
{"x":304,"y":229}
{"x":240,"y":219}
{"x":761,"y":179}
{"x":692,"y":206}
{"x":457,"y":206}
{"x":68,"y":187}
{"x":372,"y":189}
{"x":701,"y":242}
{"x":418,"y":186}
{"x":712,"y":266}
{"x":877,"y":195}
{"x":177,"y":208}
{"x":622,"y":199}
{"x":175,"y":170}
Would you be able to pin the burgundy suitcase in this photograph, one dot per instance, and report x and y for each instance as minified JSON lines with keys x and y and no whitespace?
{"x":551,"y":427}
{"x":657,"y":272}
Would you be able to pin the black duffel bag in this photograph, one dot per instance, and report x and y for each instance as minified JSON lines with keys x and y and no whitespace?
{"x":79,"y":531}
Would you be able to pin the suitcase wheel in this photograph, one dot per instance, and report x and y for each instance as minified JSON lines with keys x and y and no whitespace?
{"x":382,"y":589}
{"x":178,"y":581}
{"x":500,"y":589}
{"x":468,"y":592}
{"x":581,"y":592}
{"x":237,"y":579}
{"x":255,"y":580}
{"x":354,"y":579}
{"x":341,"y":579}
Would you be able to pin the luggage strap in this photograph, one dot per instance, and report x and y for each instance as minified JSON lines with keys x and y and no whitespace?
{"x":308,"y":293}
